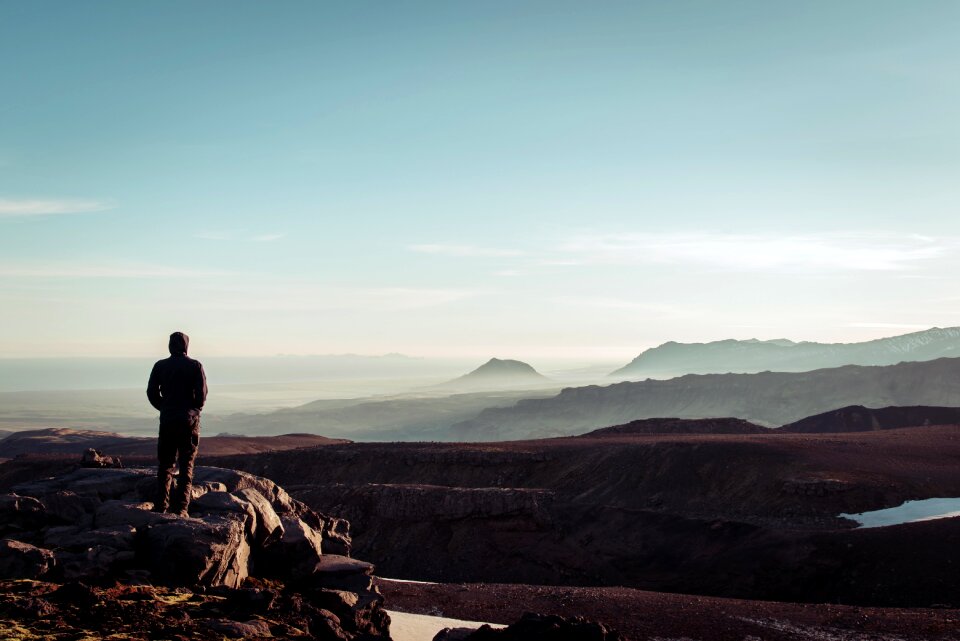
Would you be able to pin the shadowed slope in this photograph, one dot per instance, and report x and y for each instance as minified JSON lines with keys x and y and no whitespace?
{"x":857,"y":418}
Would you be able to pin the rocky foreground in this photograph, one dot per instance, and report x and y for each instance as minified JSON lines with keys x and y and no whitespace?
{"x":82,"y":555}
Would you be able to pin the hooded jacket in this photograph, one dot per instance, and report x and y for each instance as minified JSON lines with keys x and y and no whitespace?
{"x":178,"y":386}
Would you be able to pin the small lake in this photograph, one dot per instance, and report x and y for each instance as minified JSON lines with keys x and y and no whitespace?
{"x":909,"y":512}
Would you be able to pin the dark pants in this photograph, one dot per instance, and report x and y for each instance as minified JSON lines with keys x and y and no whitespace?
{"x":177,"y":444}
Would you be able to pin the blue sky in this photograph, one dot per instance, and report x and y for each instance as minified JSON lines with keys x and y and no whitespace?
{"x":545,"y":180}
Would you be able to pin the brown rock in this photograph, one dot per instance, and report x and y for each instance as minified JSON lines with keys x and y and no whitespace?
{"x":70,"y":507}
{"x":238,"y":630}
{"x":540,"y":627}
{"x":268,"y":526}
{"x":119,"y":512}
{"x":24,"y":561}
{"x":96,"y":562}
{"x":96,"y":458}
{"x":118,"y":537}
{"x":219,"y":502}
{"x":187,"y":551}
{"x":295,"y":555}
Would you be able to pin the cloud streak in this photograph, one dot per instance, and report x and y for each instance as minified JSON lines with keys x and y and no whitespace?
{"x":19,"y":208}
{"x":103,"y":270}
{"x":308,"y":297}
{"x":240,"y":236}
{"x":665,"y":310}
{"x":465,"y":251}
{"x":799,"y":253}
{"x":754,"y":252}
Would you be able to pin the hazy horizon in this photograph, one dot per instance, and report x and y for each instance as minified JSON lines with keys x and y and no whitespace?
{"x":542,"y":180}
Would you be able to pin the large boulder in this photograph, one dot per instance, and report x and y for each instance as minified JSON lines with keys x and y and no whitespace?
{"x":70,"y":507}
{"x":226,"y":503}
{"x":20,"y":514}
{"x":104,"y":484}
{"x":75,"y":539}
{"x":120,"y":512}
{"x":295,"y":555}
{"x":95,"y":562}
{"x":268,"y":527}
{"x":95,"y":458}
{"x":20,"y":560}
{"x":188,"y":551}
{"x":235,"y":480}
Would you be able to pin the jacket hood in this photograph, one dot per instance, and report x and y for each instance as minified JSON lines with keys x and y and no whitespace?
{"x":179,"y":343}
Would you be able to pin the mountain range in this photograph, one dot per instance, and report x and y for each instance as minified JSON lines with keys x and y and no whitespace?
{"x":783,"y":355}
{"x":767,"y":398}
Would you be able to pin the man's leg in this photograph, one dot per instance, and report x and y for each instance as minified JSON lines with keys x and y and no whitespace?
{"x":166,"y":458}
{"x":188,"y":443}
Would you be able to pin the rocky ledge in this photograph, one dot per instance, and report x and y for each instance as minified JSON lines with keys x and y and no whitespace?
{"x":249,"y":561}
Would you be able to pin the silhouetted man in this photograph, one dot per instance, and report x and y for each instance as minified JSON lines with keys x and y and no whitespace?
{"x":178,"y":388}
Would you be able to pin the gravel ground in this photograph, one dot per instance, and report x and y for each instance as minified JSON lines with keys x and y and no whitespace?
{"x":655,"y":616}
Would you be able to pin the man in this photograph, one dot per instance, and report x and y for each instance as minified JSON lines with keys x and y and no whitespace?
{"x":178,"y":388}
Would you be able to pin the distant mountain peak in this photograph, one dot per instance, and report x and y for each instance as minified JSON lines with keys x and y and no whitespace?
{"x":784,"y":355}
{"x":506,"y":368}
{"x":499,"y":373}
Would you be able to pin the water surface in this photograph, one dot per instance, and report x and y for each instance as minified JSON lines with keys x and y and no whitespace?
{"x":909,"y":512}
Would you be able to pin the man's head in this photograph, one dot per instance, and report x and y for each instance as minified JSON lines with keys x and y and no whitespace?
{"x":179,"y":343}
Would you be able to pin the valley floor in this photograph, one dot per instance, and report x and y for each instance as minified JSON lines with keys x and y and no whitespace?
{"x":657,"y":616}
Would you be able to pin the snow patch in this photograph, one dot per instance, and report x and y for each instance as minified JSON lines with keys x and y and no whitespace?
{"x":405,"y":626}
{"x":382,"y":578}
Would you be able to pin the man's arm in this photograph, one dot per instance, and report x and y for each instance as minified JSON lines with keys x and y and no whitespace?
{"x":153,"y":388}
{"x":200,"y":387}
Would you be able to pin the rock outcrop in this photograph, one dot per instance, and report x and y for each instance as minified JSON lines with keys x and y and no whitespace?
{"x":97,"y":525}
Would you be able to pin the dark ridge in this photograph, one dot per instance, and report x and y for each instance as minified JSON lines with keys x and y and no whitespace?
{"x":681,"y":426}
{"x":857,"y":418}
{"x":74,"y":442}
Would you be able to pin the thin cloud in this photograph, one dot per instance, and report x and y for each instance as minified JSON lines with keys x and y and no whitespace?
{"x":465,"y":251}
{"x":872,"y":325}
{"x":240,"y":236}
{"x":71,"y":270}
{"x":753,"y":252}
{"x":658,"y":309}
{"x":267,"y":238}
{"x":310,"y":297}
{"x":10,"y":208}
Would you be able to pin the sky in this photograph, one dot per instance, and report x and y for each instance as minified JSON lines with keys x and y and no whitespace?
{"x":562,"y":181}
